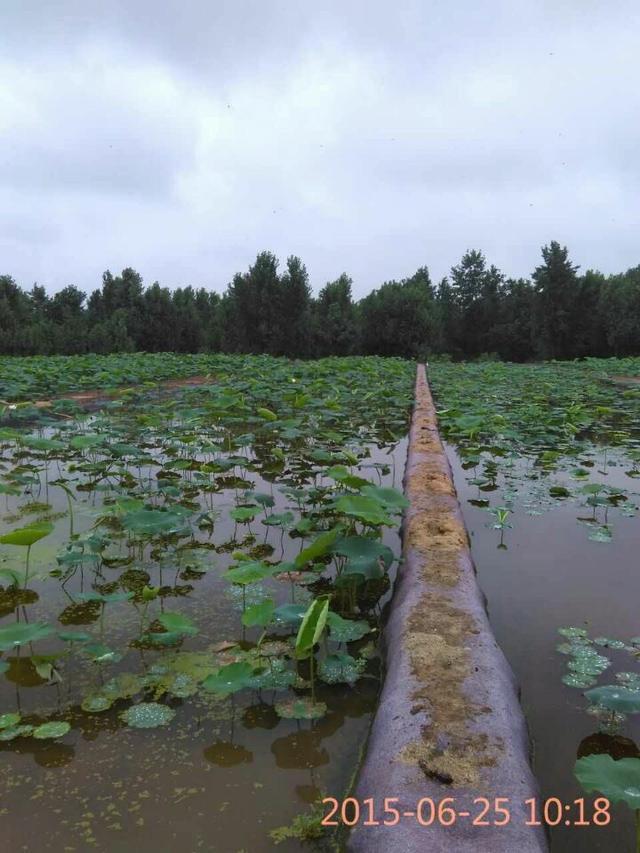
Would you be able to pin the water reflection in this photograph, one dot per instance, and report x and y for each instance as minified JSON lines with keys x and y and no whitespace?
{"x":227,"y":754}
{"x":102,"y":640}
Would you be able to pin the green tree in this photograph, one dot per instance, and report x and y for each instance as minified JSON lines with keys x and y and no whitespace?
{"x":400,"y":318}
{"x":68,"y":318}
{"x":292,"y":325}
{"x":477,"y":292}
{"x":121,"y":295}
{"x":512,"y":332}
{"x":557,"y":288}
{"x":251,"y":309}
{"x":158,"y":331}
{"x":264,"y":312}
{"x":620,"y":311}
{"x":335,"y":328}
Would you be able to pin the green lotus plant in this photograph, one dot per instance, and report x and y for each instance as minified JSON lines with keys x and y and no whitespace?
{"x":618,"y":781}
{"x":311,"y":629}
{"x":163,"y":491}
{"x":26,"y":537}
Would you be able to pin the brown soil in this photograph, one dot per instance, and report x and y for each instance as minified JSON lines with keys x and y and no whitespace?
{"x":96,"y":394}
{"x":439,"y":634}
{"x":626,"y":380}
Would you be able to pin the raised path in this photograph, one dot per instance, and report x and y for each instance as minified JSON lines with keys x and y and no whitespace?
{"x":449,"y":722}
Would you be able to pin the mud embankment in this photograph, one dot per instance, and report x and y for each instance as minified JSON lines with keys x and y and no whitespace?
{"x":449,"y":723}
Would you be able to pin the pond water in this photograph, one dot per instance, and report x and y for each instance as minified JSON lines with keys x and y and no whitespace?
{"x":228,"y":769}
{"x":549,"y":574}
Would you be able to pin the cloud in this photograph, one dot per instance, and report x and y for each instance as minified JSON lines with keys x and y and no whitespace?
{"x":182,"y":138}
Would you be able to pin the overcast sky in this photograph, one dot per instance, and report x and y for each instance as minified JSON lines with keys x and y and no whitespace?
{"x":370,"y":137}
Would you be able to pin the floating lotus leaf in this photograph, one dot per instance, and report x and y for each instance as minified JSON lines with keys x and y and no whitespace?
{"x":608,"y":643}
{"x":589,"y":664}
{"x":579,"y":473}
{"x":301,"y":709}
{"x":21,"y":632}
{"x":125,"y":685}
{"x":182,"y":686}
{"x":147,"y":715}
{"x":230,"y":678}
{"x":276,"y":676}
{"x":629,"y":679}
{"x":197,"y":665}
{"x":616,"y":780}
{"x":9,"y":720}
{"x":346,"y":630}
{"x":51,"y":730}
{"x":615,"y":698}
{"x":577,"y":680}
{"x":16,"y":731}
{"x":573,"y":632}
{"x":601,"y":534}
{"x":341,"y":668}
{"x":583,"y":650}
{"x":610,"y":721}
{"x":95,"y":703}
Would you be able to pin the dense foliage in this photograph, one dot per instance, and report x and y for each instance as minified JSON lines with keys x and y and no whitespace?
{"x":535,"y":436}
{"x":559,"y":440}
{"x":475,"y":311}
{"x":191,"y":564}
{"x":558,"y":410}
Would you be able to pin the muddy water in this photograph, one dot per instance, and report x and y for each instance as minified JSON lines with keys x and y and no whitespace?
{"x":223,"y":774}
{"x":551,"y":575}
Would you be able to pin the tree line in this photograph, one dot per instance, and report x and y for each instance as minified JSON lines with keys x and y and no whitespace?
{"x":473,"y":312}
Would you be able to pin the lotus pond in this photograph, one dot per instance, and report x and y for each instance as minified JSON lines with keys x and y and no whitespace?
{"x":191,"y":583}
{"x":546,"y":461}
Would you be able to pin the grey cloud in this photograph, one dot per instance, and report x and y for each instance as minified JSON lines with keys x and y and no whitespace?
{"x":183,"y":137}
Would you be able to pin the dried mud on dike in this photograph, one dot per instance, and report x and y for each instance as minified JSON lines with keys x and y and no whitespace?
{"x":449,"y":723}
